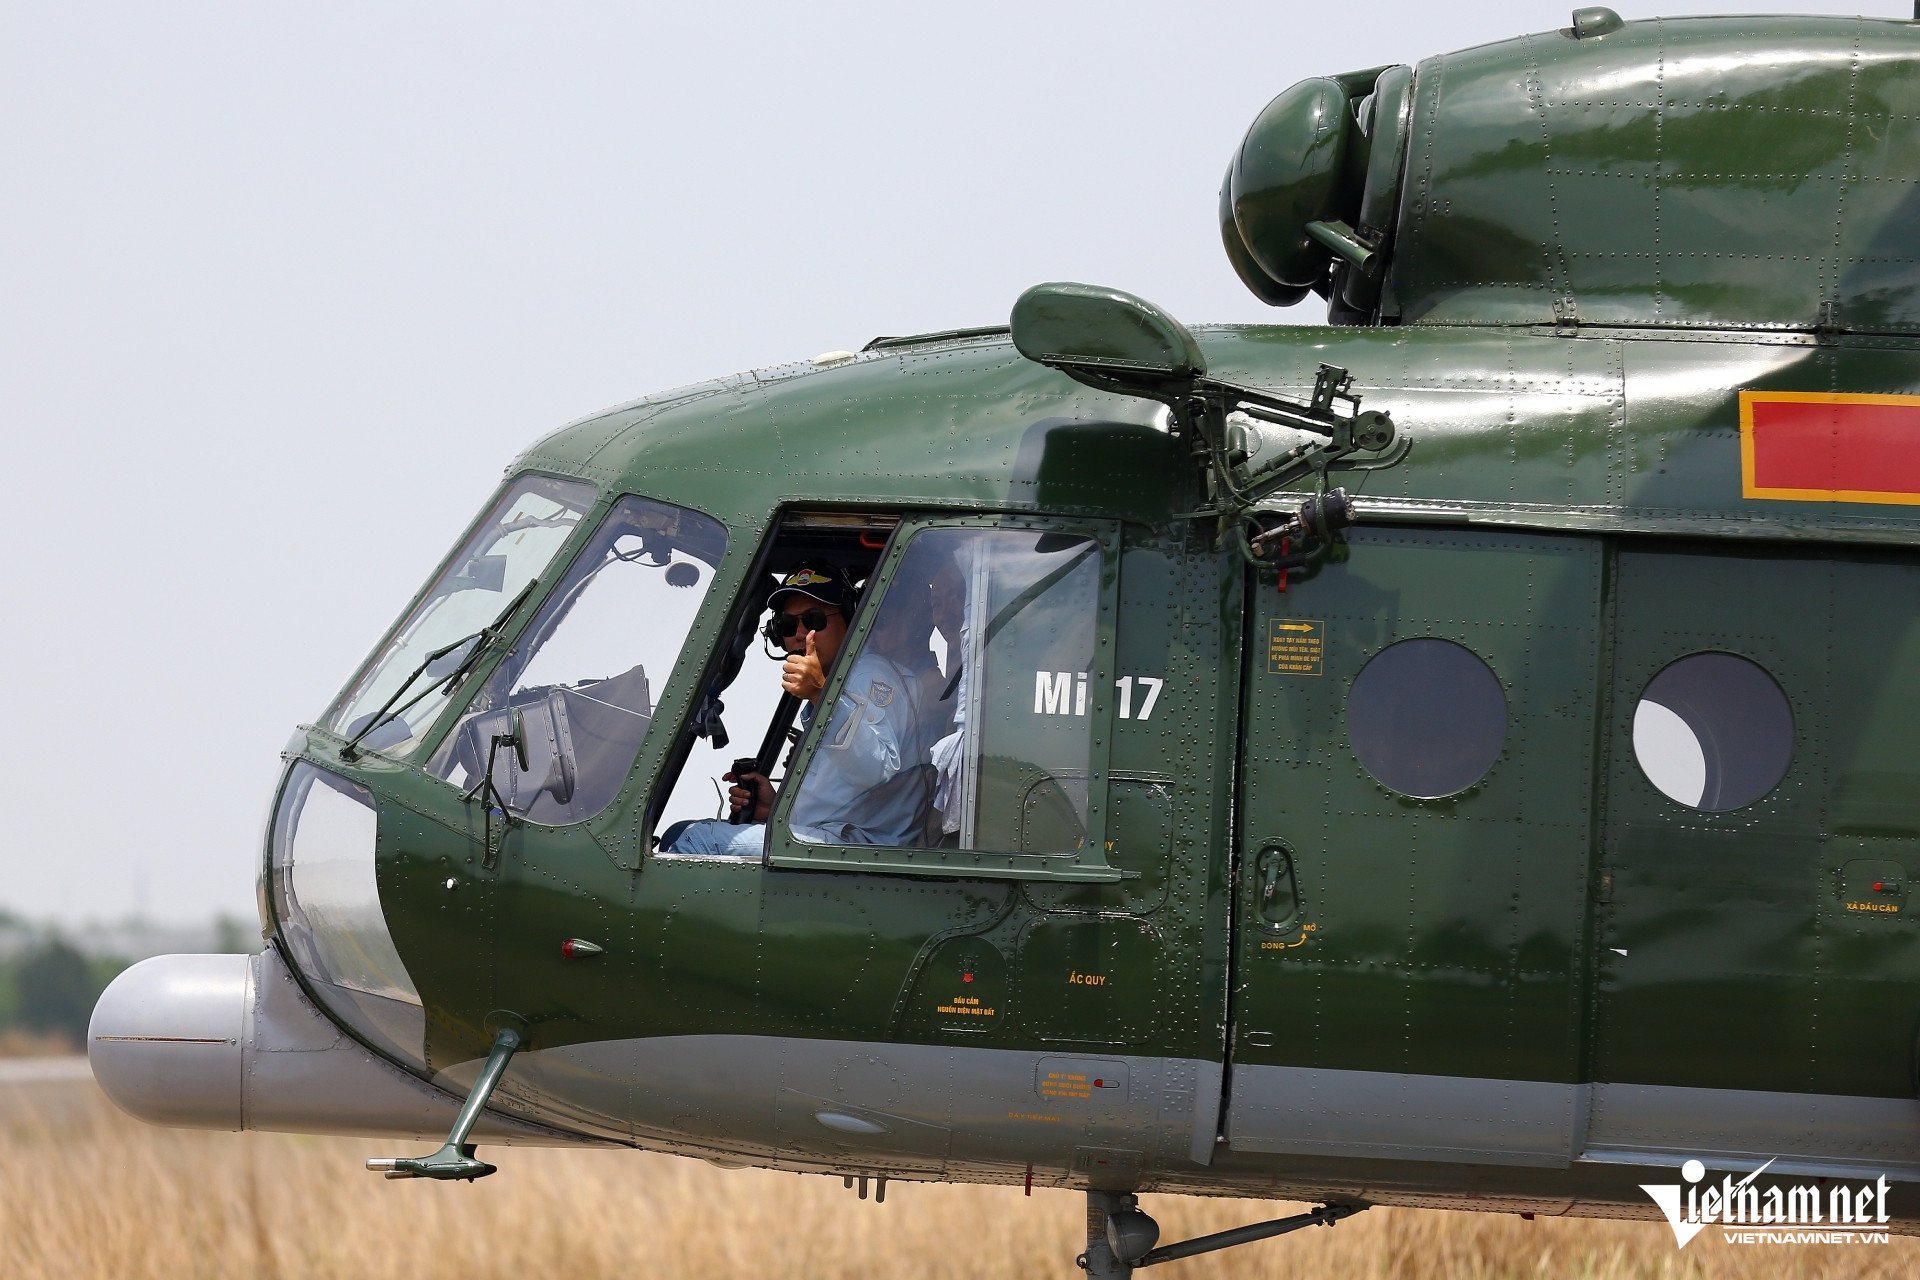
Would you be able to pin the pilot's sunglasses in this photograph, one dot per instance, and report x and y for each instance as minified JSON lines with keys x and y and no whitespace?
{"x":782,"y":626}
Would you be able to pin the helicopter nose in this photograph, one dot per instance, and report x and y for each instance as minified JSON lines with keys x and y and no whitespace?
{"x":165,"y":1040}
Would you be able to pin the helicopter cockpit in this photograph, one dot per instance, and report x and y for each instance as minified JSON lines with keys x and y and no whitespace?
{"x":972,"y":627}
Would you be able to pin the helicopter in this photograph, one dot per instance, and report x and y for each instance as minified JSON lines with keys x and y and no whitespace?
{"x":1457,"y":755}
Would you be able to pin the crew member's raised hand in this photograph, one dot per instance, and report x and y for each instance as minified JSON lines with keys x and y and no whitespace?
{"x":801,"y":674}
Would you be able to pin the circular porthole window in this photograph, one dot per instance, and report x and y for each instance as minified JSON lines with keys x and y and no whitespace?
{"x":1427,"y":718}
{"x":1713,"y":731}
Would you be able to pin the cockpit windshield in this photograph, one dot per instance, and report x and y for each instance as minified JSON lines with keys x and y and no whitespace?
{"x":578,"y":691}
{"x":513,"y":546}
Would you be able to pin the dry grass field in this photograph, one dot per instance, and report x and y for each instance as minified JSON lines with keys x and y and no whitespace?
{"x":16,"y":1043}
{"x":85,"y":1192}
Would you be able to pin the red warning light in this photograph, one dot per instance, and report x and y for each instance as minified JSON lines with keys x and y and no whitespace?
{"x":1879,"y":886}
{"x":1099,"y":1084}
{"x":966,"y":977}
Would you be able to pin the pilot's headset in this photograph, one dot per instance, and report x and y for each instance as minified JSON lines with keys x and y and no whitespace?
{"x":822,"y":582}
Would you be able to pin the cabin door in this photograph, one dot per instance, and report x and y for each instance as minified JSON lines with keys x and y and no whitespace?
{"x":1755,"y":989}
{"x":1417,"y":761}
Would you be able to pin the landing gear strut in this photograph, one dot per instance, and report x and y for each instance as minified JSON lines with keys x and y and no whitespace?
{"x":454,"y":1161}
{"x":1101,"y":1261}
{"x":1120,"y":1236}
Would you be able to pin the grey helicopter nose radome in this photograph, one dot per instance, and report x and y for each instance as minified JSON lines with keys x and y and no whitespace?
{"x":230,"y":1042}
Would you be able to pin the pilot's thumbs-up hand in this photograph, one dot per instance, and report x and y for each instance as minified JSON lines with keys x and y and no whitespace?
{"x":801,"y":674}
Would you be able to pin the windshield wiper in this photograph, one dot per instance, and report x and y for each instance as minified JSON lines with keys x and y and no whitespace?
{"x":482,"y":640}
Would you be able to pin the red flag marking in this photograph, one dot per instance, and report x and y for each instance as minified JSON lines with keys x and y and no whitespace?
{"x":1811,"y":446}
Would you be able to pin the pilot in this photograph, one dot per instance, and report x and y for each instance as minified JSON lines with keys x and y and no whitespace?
{"x":810,"y":611}
{"x":871,"y":780}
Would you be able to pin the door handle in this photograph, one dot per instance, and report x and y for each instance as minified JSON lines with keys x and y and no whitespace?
{"x":1269,"y":878}
{"x":1279,"y":897}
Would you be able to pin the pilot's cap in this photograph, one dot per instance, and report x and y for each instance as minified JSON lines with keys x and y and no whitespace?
{"x":817,"y":580}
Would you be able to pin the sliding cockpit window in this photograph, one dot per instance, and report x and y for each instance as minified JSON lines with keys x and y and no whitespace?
{"x":966,"y":735}
{"x":403,"y":689}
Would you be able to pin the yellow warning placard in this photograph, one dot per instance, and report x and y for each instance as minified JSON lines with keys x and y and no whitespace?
{"x":1066,"y":1084}
{"x":966,"y":1007}
{"x":1296,"y":647}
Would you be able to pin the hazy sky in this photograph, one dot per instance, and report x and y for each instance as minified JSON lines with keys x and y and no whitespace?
{"x":283,"y":288}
